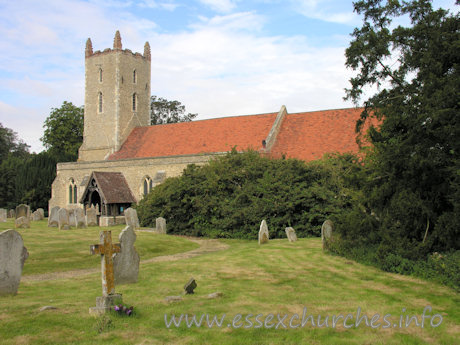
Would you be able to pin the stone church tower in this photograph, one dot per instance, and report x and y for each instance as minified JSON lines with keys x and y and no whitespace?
{"x":117,"y":98}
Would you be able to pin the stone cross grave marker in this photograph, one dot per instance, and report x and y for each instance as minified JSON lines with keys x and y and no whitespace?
{"x":106,"y":249}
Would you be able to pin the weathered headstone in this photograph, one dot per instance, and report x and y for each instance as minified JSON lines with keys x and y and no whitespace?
{"x":22,"y":222}
{"x":263,"y":232}
{"x":12,"y":214}
{"x":3,"y":215}
{"x":126,"y":263}
{"x":190,"y":286}
{"x":72,"y":218}
{"x":12,"y":257}
{"x":131,"y":218}
{"x":326,"y":233}
{"x":290,"y":232}
{"x":63,"y":217}
{"x":91,"y":216}
{"x":36,"y":216}
{"x":53,"y":218}
{"x":42,"y":212}
{"x":80,"y":220}
{"x":22,"y":211}
{"x":161,"y":225}
{"x":106,"y":249}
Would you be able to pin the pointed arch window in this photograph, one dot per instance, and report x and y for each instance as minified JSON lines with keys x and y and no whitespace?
{"x":134,"y":102}
{"x":99,"y":108}
{"x":100,"y":75}
{"x":148,"y":185}
{"x":72,"y":191}
{"x":134,"y":77}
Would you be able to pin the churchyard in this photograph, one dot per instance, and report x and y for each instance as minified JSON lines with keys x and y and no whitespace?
{"x":277,"y":277}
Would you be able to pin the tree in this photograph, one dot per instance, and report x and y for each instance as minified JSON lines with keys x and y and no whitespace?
{"x":11,"y":144}
{"x":163,"y":111}
{"x":63,"y":133}
{"x":414,"y":188}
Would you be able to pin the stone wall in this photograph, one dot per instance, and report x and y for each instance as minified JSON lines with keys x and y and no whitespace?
{"x":134,"y":170}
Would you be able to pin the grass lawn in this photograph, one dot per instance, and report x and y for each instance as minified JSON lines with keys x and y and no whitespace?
{"x":276,"y":278}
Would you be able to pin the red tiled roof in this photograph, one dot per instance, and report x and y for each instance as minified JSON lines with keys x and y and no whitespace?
{"x":310,"y":135}
{"x":205,"y":136}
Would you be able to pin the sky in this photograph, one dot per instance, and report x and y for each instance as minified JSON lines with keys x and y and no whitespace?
{"x":218,"y":57}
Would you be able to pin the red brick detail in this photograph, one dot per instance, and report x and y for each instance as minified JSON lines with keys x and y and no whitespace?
{"x":205,"y":136}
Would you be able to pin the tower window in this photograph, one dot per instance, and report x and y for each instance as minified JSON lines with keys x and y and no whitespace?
{"x":72,"y":192}
{"x":100,"y":102}
{"x":134,"y":102}
{"x":134,"y":76}
{"x":100,"y":75}
{"x":148,"y":185}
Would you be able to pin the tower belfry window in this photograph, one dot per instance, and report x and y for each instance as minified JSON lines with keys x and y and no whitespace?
{"x":100,"y":102}
{"x":134,"y":102}
{"x":100,"y":75}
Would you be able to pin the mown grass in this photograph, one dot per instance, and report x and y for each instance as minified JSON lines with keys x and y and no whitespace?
{"x":54,"y":250}
{"x":277,"y":278}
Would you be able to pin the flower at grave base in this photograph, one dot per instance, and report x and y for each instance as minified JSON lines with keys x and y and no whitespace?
{"x":116,"y":308}
{"x":129,"y":311}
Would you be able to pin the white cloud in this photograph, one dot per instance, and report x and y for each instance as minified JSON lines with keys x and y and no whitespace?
{"x":232,"y":22}
{"x":166,"y":5}
{"x":220,"y":5}
{"x":325,"y":10}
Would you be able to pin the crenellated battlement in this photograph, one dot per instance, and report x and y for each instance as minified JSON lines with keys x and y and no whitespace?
{"x":117,"y":47}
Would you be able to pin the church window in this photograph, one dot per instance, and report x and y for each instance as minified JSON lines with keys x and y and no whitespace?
{"x":100,"y":75}
{"x":134,"y":76}
{"x":72,"y":191}
{"x":100,"y":102}
{"x":134,"y":102}
{"x":148,"y":185}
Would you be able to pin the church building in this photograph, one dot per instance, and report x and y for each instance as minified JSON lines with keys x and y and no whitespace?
{"x":123,"y":157}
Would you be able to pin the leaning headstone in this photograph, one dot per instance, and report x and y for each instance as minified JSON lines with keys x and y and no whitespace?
{"x":36,"y":216}
{"x":22,"y":211}
{"x":63,"y":216}
{"x":326,"y":233}
{"x":80,"y":221}
{"x":22,"y":223}
{"x":12,"y":257}
{"x":131,"y":218}
{"x":126,"y":263}
{"x":91,"y":216}
{"x":53,"y":218}
{"x":161,"y":225}
{"x":290,"y":232}
{"x":263,"y":232}
{"x":12,"y":214}
{"x":42,"y":212}
{"x":190,"y":286}
{"x":3,"y":215}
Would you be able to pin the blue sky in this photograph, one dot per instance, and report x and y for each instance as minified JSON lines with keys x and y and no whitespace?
{"x":218,"y":57}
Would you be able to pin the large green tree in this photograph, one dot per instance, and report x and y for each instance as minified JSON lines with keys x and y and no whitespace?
{"x":10,"y":144}
{"x":163,"y":111}
{"x":63,"y":133}
{"x":414,"y":189}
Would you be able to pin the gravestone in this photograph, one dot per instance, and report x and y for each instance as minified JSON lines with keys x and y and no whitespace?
{"x":3,"y":215}
{"x":36,"y":216}
{"x":12,"y":257}
{"x":326,"y":233}
{"x":263,"y":232}
{"x":290,"y":232}
{"x":91,"y":216}
{"x":53,"y":218}
{"x":106,"y":249}
{"x":190,"y":286}
{"x":80,"y":221}
{"x":72,"y":218}
{"x":161,"y":225}
{"x":42,"y":212}
{"x":12,"y":214}
{"x":63,"y":217}
{"x":126,"y":263}
{"x":22,"y":223}
{"x":22,"y":211}
{"x":131,"y":218}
